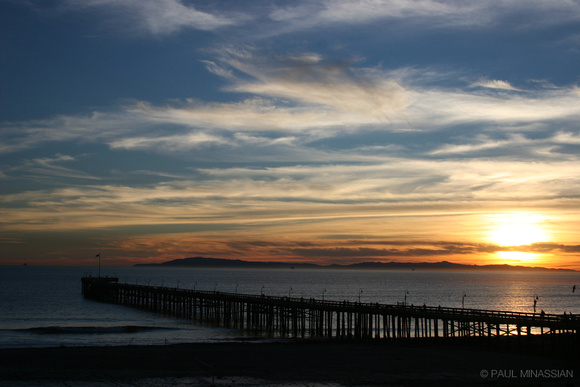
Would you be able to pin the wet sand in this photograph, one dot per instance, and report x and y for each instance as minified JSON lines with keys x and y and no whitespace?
{"x":280,"y":363}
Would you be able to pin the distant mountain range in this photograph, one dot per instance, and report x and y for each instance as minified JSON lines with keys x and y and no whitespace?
{"x":443,"y":265}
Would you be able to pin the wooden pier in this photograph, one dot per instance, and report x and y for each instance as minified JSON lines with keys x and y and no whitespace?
{"x":309,"y":318}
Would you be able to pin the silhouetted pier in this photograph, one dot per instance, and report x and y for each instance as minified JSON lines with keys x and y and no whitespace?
{"x":303,"y":317}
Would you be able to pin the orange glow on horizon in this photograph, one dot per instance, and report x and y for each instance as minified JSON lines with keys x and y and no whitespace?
{"x":518,"y":258}
{"x":469,"y":239}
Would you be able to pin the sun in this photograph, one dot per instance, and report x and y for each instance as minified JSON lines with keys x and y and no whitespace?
{"x":517,"y":234}
{"x":517,"y":230}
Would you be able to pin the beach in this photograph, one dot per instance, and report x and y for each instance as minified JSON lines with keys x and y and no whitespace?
{"x":289,"y":363}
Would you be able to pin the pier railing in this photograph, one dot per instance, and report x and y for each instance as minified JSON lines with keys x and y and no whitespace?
{"x":309,"y":317}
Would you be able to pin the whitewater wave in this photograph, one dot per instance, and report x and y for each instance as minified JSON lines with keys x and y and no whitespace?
{"x":82,"y":330}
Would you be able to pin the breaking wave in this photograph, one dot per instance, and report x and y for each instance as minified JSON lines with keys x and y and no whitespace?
{"x":60,"y":330}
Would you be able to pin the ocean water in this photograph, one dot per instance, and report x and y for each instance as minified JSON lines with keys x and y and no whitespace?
{"x":44,"y":307}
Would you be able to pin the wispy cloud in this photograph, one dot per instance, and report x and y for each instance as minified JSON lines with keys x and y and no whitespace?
{"x":158,"y":17}
{"x":49,"y":167}
{"x":297,"y":100}
{"x":567,"y":138}
{"x":253,"y":114}
{"x":287,"y":194}
{"x":429,"y":14}
{"x":181,"y":142}
{"x":310,"y":80}
{"x":496,"y":84}
{"x":96,"y":126}
{"x":165,"y":17}
{"x":514,"y":145}
{"x":439,"y":107}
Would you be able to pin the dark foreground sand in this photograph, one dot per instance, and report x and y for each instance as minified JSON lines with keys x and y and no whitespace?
{"x":303,"y":363}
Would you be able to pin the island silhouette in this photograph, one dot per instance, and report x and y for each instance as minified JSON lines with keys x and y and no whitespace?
{"x":442,"y":265}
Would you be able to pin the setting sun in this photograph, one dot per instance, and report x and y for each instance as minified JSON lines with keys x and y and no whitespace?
{"x":517,"y":230}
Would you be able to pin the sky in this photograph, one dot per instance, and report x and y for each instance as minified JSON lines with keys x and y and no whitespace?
{"x":307,"y":131}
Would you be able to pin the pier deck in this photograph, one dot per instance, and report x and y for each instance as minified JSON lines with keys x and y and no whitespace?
{"x":308,"y":317}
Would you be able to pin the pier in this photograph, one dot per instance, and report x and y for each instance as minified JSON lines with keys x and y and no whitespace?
{"x":311,"y":318}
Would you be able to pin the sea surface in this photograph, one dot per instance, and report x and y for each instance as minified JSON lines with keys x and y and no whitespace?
{"x":42,"y":306}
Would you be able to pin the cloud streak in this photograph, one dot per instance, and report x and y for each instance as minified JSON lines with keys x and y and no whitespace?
{"x":297,"y":193}
{"x":496,"y":84}
{"x":49,"y":167}
{"x":301,"y":94}
{"x":158,"y":17}
{"x":429,"y":14}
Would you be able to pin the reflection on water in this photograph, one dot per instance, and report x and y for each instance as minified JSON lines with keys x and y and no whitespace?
{"x":484,"y":290}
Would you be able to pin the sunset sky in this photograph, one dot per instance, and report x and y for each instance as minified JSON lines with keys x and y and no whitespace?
{"x":331,"y":131}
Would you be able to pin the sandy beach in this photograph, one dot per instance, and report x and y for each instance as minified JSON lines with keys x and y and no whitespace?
{"x":283,"y":363}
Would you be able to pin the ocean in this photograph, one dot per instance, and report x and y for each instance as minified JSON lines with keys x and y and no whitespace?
{"x":42,"y":306}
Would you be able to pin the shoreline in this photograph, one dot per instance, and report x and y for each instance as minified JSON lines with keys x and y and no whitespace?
{"x":276,"y":363}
